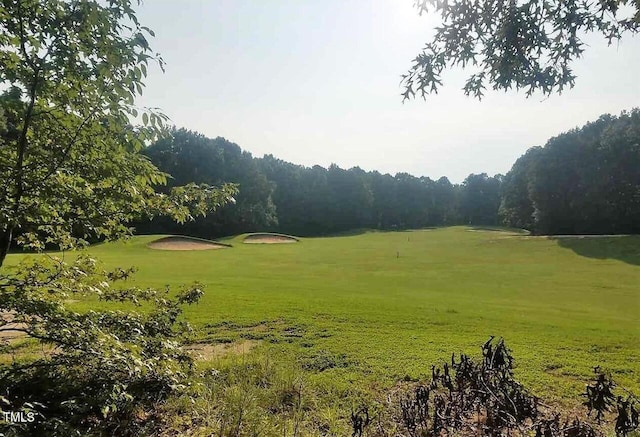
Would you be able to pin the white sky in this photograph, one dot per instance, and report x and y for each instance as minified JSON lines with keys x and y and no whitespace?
{"x":317,"y":82}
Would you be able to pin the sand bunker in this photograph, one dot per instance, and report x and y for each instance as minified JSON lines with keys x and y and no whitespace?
{"x":269,"y":239}
{"x":185,"y":243}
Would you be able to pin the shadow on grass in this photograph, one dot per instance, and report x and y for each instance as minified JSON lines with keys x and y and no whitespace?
{"x":361,"y":231}
{"x":500,"y":229}
{"x":623,"y":248}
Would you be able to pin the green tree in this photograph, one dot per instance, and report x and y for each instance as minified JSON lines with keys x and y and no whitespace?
{"x":480,"y":199}
{"x":521,"y":44}
{"x":413,"y":201}
{"x":385,"y":201}
{"x":586,"y":180}
{"x":349,"y":198}
{"x":288,"y":193}
{"x":516,"y":208}
{"x":70,"y":171}
{"x":443,"y":204}
{"x":193,"y":158}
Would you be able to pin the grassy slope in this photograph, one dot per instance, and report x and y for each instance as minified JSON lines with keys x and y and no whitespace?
{"x":562,"y":306}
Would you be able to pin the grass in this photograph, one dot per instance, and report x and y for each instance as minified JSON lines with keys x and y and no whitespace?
{"x":368,"y":310}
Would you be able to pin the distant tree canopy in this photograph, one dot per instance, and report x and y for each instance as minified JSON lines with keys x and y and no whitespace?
{"x":521,"y":44}
{"x":584,"y":181}
{"x":313,"y":201}
{"x":481,"y":199}
{"x":280,"y":196}
{"x":190,"y":157}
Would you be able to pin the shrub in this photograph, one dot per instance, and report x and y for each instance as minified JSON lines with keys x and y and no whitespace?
{"x":107,"y":368}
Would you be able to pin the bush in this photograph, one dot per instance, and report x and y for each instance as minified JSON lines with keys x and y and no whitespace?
{"x":107,"y":368}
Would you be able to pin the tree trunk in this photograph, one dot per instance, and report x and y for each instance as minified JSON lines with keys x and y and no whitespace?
{"x":5,"y":243}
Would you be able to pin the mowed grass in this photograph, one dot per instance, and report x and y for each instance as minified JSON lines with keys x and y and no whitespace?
{"x":391,"y":304}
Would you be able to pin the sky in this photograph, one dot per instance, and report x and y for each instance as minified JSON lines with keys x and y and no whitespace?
{"x":318,"y":82}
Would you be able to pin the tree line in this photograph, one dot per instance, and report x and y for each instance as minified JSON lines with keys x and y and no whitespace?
{"x":586,"y":180}
{"x":283,"y":197}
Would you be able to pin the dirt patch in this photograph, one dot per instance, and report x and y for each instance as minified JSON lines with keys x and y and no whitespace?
{"x":12,"y":335}
{"x":185,"y":243}
{"x":6,"y":328}
{"x":211,"y":351}
{"x":269,"y":239}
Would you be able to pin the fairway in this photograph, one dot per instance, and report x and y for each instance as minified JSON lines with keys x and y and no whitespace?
{"x":391,"y":304}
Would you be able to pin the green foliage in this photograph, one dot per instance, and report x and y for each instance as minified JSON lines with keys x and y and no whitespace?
{"x":480,"y":198}
{"x":508,"y":44}
{"x":70,"y":166}
{"x":105,"y":366}
{"x":189,"y":158}
{"x":582,"y":181}
{"x":279,"y":196}
{"x":71,"y":171}
{"x":515,"y":208}
{"x":585,"y":181}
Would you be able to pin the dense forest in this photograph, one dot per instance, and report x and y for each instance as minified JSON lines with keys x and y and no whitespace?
{"x":585,"y":181}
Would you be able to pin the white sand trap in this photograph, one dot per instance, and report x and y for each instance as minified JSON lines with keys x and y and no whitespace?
{"x":269,"y":239}
{"x":185,"y":243}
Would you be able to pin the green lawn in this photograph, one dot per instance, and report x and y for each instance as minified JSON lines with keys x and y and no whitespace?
{"x":563,"y":306}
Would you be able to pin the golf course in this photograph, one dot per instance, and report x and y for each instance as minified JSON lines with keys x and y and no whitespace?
{"x":385,"y":306}
{"x":250,"y":224}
